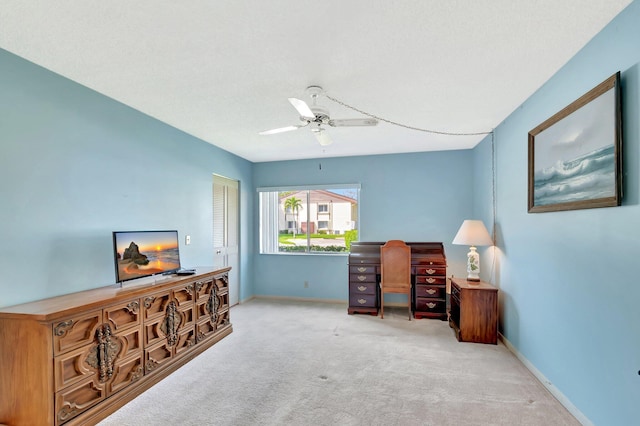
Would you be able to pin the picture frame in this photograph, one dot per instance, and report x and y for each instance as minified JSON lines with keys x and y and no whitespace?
{"x":575,"y":157}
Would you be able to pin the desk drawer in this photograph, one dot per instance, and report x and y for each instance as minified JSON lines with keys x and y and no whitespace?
{"x":431,"y":270}
{"x":362,"y":269}
{"x":426,"y":279}
{"x":362,"y":300}
{"x":362,"y":288}
{"x":431,"y":291}
{"x":424,"y":304}
{"x":362,"y":278}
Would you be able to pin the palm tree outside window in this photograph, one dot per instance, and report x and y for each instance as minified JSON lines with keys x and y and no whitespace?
{"x":293,"y":205}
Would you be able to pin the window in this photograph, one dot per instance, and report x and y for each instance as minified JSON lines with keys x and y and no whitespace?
{"x":312,"y":219}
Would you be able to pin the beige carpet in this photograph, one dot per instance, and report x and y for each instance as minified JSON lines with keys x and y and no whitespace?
{"x":304,"y":363}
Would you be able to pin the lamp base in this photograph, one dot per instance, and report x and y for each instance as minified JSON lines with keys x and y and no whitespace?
{"x":473,"y":280}
{"x":473,"y":265}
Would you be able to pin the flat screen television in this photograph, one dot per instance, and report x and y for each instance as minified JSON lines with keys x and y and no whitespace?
{"x":140,"y":254}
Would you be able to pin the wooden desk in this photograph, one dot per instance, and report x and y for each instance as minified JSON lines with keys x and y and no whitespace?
{"x":474,"y":311}
{"x":428,"y":278}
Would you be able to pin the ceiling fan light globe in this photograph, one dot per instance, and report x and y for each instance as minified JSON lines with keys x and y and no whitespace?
{"x":323,"y":138}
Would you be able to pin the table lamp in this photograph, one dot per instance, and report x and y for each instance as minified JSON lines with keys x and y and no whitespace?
{"x":473,"y":233}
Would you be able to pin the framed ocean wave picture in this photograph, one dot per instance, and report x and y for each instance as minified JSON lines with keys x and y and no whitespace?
{"x":575,"y":156}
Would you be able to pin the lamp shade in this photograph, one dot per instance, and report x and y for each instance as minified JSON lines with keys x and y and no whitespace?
{"x":473,"y":233}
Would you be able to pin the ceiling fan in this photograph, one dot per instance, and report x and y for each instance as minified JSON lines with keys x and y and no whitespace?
{"x":317,"y":116}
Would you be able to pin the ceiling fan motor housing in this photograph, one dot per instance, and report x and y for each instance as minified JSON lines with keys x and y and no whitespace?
{"x":315,"y":126}
{"x":321,"y":113}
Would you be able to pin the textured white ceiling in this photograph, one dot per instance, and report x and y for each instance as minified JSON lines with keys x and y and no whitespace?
{"x":223,"y":70}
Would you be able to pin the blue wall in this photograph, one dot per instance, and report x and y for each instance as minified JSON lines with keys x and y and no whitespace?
{"x":568,"y":280}
{"x":413,"y":197}
{"x":75,"y":166}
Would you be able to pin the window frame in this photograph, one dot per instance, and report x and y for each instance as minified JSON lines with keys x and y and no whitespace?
{"x":269,"y":210}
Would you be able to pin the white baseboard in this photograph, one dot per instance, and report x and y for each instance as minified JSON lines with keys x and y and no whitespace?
{"x":547,"y":384}
{"x":301,"y":299}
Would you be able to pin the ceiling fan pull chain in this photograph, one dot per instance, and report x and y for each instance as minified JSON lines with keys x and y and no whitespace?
{"x":339,"y":102}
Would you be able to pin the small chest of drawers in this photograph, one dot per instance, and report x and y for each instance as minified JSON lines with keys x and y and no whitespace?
{"x":363,"y":288}
{"x":474,"y":311}
{"x":430,"y":290}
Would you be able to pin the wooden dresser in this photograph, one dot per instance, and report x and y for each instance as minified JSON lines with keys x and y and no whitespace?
{"x":428,"y":272}
{"x":77,"y":358}
{"x":474,"y":311}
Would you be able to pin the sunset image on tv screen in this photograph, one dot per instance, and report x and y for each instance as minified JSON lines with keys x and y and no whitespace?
{"x":139,"y":254}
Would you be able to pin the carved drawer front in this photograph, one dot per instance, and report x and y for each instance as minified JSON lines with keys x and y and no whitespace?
{"x":362,"y":278}
{"x":431,"y":270}
{"x":153,"y":333}
{"x":427,"y":279}
{"x":362,"y":269}
{"x":154,"y":306}
{"x":187,"y":315}
{"x":204,"y":330}
{"x":363,"y":300}
{"x":122,"y":315}
{"x":219,"y":300}
{"x":434,"y":291}
{"x":222,"y":282}
{"x":125,"y":372}
{"x":362,"y":288}
{"x":222,"y":319}
{"x":184,"y":296}
{"x":156,"y":356}
{"x":430,"y":305}
{"x":78,"y":398}
{"x":223,"y":297}
{"x":202,"y":289}
{"x":75,"y":332}
{"x":73,"y":367}
{"x":186,"y":339}
{"x":167,"y":327}
{"x":211,"y":307}
{"x":131,"y":341}
{"x":208,"y":308}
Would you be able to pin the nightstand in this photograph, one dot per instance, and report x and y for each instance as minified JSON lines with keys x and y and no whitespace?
{"x":474,"y":311}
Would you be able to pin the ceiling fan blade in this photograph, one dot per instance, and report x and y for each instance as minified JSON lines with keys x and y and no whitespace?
{"x":279,"y":130}
{"x":323,"y":138}
{"x":353,"y":122}
{"x":302,"y":108}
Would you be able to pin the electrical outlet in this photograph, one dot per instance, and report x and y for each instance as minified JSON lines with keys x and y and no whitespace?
{"x":187,"y":239}
{"x":306,"y":284}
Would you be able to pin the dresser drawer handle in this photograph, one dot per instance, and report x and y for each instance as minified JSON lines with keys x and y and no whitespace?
{"x":362,"y":269}
{"x":362,"y":288}
{"x":431,"y":291}
{"x":430,"y":271}
{"x":362,"y":277}
{"x":431,"y":305}
{"x":362,"y":301}
{"x":430,"y":280}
